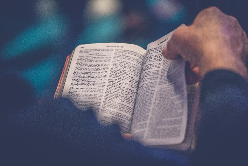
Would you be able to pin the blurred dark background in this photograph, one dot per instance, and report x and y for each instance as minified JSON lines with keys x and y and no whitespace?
{"x":37,"y":35}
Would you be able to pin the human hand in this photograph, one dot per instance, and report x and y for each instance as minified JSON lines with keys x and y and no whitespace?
{"x":214,"y":41}
{"x":192,"y":74}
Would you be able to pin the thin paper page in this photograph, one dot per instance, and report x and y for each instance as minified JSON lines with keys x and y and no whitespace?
{"x":105,"y":77}
{"x":160,"y":114}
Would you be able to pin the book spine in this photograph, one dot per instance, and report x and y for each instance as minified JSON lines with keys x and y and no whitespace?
{"x":63,"y":76}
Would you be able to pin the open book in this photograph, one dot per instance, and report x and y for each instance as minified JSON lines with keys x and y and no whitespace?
{"x":138,"y":89}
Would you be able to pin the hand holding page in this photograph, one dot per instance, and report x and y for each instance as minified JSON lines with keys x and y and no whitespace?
{"x":140,"y":90}
{"x":160,"y":114}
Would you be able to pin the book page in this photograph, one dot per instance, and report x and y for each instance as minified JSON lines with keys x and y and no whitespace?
{"x":160,"y":114}
{"x":105,"y":77}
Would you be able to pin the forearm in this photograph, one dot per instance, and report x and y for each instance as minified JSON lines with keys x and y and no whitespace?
{"x":223,"y":131}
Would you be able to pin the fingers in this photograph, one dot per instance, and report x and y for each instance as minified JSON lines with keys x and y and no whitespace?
{"x":170,"y":51}
{"x":192,"y":74}
{"x":178,"y":46}
{"x":174,"y":45}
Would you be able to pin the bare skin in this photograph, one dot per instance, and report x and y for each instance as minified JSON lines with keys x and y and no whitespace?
{"x":214,"y":41}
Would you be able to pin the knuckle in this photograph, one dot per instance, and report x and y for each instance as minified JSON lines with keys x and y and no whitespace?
{"x":233,"y":19}
{"x":245,"y":37}
{"x":179,"y":31}
{"x":235,"y":23}
{"x":213,"y":9}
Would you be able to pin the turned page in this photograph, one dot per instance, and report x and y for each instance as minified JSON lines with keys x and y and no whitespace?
{"x":105,"y":77}
{"x":160,"y":114}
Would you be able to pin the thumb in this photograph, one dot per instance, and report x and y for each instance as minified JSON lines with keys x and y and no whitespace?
{"x":170,"y":51}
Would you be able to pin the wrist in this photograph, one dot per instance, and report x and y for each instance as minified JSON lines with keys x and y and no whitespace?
{"x":231,"y":63}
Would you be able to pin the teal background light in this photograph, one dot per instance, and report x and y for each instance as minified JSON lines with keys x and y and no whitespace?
{"x":102,"y":30}
{"x":47,"y":32}
{"x":41,"y":74}
{"x":38,"y":35}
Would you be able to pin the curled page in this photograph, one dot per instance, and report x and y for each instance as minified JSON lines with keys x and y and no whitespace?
{"x":160,"y":114}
